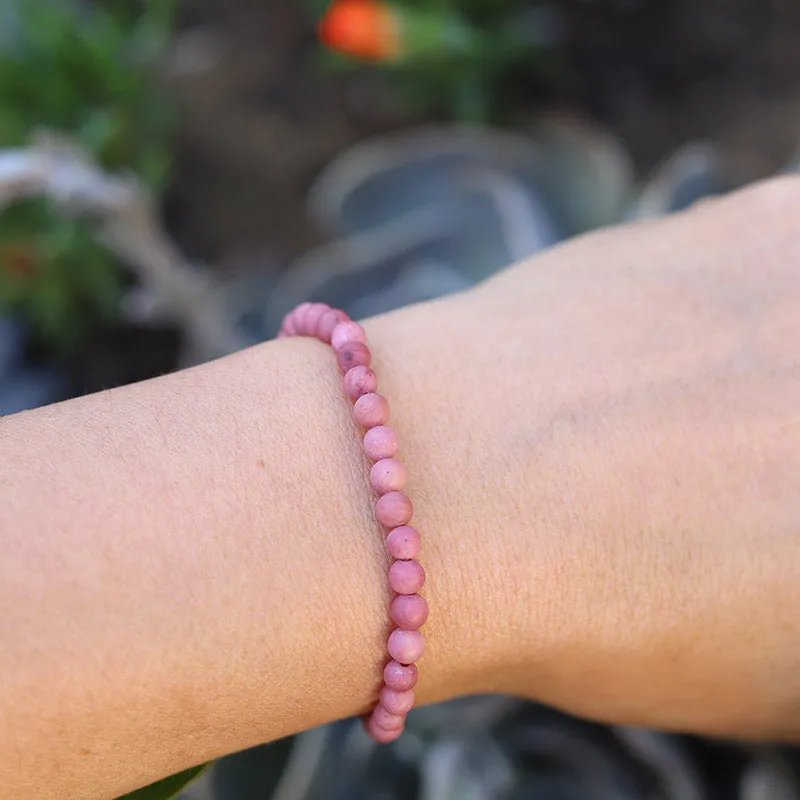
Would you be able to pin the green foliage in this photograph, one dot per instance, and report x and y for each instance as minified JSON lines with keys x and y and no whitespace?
{"x":90,"y":72}
{"x":56,"y":273}
{"x":168,"y":788}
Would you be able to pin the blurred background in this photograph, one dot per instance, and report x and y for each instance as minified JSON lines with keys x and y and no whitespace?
{"x":175,"y":175}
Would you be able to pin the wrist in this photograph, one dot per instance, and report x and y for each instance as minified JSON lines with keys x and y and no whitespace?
{"x":346,"y":560}
{"x":484,"y":514}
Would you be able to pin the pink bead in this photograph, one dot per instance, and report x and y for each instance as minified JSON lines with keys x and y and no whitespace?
{"x":300,"y":311}
{"x":403,"y":543}
{"x":396,"y":702}
{"x":380,"y":442}
{"x":371,"y":410}
{"x":406,"y":646}
{"x":409,"y":611}
{"x":353,"y":354}
{"x":328,"y":322}
{"x":359,"y":381}
{"x":287,"y":327}
{"x":400,"y":677}
{"x":406,"y":577}
{"x":386,"y":719}
{"x":347,"y":332}
{"x":388,"y":475}
{"x":295,"y":318}
{"x":394,"y":509}
{"x":312,"y":317}
{"x":382,"y":735}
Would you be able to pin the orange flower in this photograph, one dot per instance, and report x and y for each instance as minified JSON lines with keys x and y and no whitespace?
{"x":368,"y":29}
{"x":20,"y":260}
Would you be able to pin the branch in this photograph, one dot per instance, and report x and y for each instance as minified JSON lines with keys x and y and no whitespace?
{"x":125,"y":221}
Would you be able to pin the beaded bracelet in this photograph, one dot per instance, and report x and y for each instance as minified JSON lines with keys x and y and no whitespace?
{"x":393,"y":509}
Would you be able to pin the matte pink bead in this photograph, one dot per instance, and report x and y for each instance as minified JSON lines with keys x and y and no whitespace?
{"x":388,"y":475}
{"x":359,"y":381}
{"x":295,"y":318}
{"x":409,"y":611}
{"x":347,"y":332}
{"x":400,"y":677}
{"x":406,"y":577}
{"x":300,"y":311}
{"x":393,"y":509}
{"x":396,"y":702}
{"x":371,"y":410}
{"x":288,"y":327}
{"x":406,"y":646}
{"x":380,"y":442}
{"x":311,"y":318}
{"x":382,"y":735}
{"x":403,"y":542}
{"x":328,"y":322}
{"x":353,"y":354}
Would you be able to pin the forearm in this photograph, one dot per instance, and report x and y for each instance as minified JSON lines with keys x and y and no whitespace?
{"x":602,"y":447}
{"x":191,"y":566}
{"x":186,"y":562}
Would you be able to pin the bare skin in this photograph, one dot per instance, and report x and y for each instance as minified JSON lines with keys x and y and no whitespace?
{"x":604,"y":450}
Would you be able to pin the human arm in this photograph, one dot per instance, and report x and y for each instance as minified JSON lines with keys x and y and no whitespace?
{"x":603,"y":447}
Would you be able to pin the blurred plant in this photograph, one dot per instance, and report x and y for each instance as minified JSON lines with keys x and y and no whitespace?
{"x":89,"y":71}
{"x":167,"y":788}
{"x":125,"y":220}
{"x":459,"y":56}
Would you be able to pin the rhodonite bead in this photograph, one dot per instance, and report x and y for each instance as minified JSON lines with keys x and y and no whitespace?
{"x":353,"y":354}
{"x":403,"y":543}
{"x":380,"y":734}
{"x":380,"y":442}
{"x":406,"y":577}
{"x":406,"y":647}
{"x":396,"y":702}
{"x":394,"y":509}
{"x":308,"y":323}
{"x":371,"y":410}
{"x":386,"y":719}
{"x":359,"y":381}
{"x":388,"y":475}
{"x":288,"y":327}
{"x":328,"y":323}
{"x":347,"y":332}
{"x":400,"y":677}
{"x":409,"y":611}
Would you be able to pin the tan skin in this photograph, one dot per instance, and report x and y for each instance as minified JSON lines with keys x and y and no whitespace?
{"x":604,"y":450}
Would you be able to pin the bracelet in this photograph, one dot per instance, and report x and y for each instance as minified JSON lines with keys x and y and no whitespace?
{"x":393,"y":509}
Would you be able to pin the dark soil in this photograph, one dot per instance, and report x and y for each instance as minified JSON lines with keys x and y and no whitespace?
{"x":122,"y":355}
{"x":663,"y":72}
{"x":257,"y":128}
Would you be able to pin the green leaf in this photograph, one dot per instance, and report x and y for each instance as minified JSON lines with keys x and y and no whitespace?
{"x":12,"y":128}
{"x":149,"y":38}
{"x":470,"y":99}
{"x":169,"y":787}
{"x":318,"y":7}
{"x":154,"y":167}
{"x":100,"y":128}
